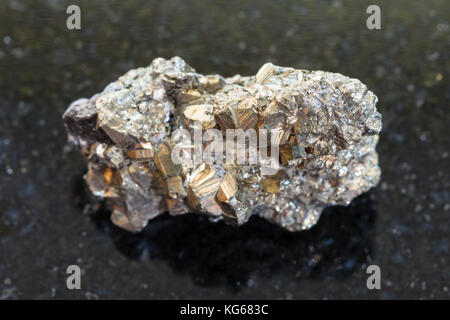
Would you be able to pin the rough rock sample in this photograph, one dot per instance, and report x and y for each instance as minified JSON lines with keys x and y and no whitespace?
{"x":325,"y":125}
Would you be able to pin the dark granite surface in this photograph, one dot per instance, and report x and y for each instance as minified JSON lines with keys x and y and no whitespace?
{"x":48,"y":220}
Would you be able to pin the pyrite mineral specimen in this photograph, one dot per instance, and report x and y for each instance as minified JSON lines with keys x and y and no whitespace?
{"x":325,"y":125}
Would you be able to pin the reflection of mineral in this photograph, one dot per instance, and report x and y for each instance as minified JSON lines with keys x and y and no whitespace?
{"x":326,"y":126}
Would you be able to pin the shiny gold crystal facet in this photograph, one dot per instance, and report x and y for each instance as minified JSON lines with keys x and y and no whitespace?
{"x":140,"y":154}
{"x":189,"y":97}
{"x":163,"y":161}
{"x":203,"y":181}
{"x":203,"y":186}
{"x":228,"y":188}
{"x":175,"y":187}
{"x":265,"y":73}
{"x":104,"y":181}
{"x":212,"y":83}
{"x":201,"y":113}
{"x":244,"y":116}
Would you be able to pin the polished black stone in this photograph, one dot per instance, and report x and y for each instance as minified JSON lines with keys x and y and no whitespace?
{"x":48,"y":220}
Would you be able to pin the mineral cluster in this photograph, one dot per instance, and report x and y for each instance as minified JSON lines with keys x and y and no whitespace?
{"x":325,"y":125}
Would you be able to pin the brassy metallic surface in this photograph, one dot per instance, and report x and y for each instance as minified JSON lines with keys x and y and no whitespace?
{"x":325,"y":124}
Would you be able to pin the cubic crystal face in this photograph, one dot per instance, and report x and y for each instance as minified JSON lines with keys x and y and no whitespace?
{"x":325,"y":126}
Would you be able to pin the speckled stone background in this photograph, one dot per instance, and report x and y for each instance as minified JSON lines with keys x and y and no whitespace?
{"x":48,"y":221}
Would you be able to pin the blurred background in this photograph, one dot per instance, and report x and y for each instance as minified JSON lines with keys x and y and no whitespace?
{"x":49,"y":221}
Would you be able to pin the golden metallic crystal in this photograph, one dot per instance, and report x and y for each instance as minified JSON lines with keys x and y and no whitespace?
{"x":324,"y":127}
{"x":201,"y":113}
{"x":243,"y":116}
{"x":228,"y":188}
{"x":140,"y":154}
{"x":175,"y":187}
{"x":163,"y":160}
